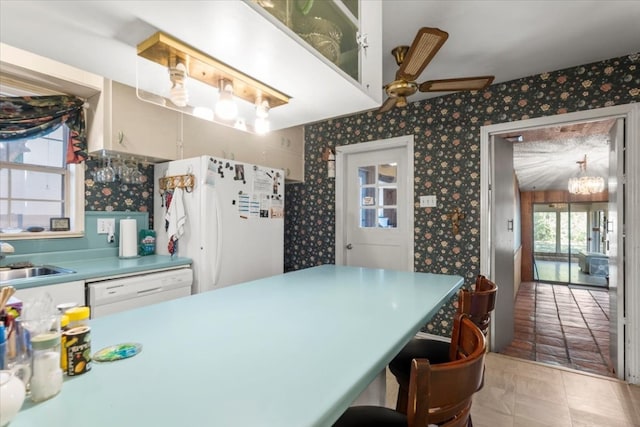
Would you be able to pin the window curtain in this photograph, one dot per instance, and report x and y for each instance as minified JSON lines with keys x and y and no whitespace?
{"x":34,"y":116}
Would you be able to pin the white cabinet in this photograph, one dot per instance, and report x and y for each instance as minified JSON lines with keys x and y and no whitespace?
{"x":346,"y":34}
{"x":132,"y":126}
{"x":282,"y":149}
{"x":60,"y":293}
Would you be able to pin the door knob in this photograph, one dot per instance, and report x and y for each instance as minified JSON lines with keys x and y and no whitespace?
{"x":349,"y":246}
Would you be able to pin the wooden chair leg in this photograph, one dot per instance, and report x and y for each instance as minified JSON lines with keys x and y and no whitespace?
{"x":403,"y":400}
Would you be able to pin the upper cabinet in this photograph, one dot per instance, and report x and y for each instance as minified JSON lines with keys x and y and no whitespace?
{"x":344,"y":34}
{"x":135,"y":127}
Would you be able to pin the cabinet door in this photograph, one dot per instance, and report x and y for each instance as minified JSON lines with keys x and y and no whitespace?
{"x":371,"y":55}
{"x":140,"y":128}
{"x":60,"y":293}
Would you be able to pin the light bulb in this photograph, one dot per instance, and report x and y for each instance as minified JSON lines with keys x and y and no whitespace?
{"x":179,"y":96}
{"x":178,"y":93}
{"x":226,"y":108}
{"x":261,"y":126}
{"x":262,"y":109}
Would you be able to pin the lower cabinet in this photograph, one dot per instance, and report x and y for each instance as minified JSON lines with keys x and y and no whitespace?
{"x":70,"y":292}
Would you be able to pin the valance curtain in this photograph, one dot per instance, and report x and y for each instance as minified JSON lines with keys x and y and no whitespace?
{"x":33,"y":116}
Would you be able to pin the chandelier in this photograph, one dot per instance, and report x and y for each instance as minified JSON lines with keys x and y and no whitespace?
{"x":583,"y":184}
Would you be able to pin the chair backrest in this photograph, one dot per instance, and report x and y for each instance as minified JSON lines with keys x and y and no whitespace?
{"x":441,"y":394}
{"x":479,"y":303}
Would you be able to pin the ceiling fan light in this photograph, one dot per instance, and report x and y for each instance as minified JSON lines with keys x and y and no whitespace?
{"x":226,"y":108}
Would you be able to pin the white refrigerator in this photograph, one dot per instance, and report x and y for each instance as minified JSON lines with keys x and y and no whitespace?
{"x":233,"y":219}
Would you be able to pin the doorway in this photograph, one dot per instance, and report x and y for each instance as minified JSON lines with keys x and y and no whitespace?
{"x":374,"y":204}
{"x":624,"y":354}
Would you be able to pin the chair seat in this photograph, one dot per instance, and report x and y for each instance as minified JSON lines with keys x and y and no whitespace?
{"x":418,"y":348}
{"x":371,"y":416}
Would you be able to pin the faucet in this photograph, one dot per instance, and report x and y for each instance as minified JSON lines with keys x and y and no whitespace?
{"x":5,"y":248}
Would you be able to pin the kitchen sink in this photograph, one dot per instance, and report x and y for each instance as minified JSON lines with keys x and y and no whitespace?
{"x":29,"y":272}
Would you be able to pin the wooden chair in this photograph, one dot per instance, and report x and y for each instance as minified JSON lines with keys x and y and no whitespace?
{"x":477,"y":304}
{"x":439,"y":394}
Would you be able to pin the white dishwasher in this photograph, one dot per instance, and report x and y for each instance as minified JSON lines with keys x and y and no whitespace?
{"x":111,"y":295}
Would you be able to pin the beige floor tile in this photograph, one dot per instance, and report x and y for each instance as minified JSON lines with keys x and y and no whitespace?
{"x":487,"y":417}
{"x":581,"y":418}
{"x":500,"y":379}
{"x":539,"y":411}
{"x":540,"y":389}
{"x":533,"y":370}
{"x":587,"y":386}
{"x":495,"y":399}
{"x":606,"y":407}
{"x":629,"y":398}
{"x":519,"y":421}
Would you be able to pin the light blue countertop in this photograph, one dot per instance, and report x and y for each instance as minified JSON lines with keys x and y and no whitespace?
{"x":91,"y":264}
{"x":290,"y":350}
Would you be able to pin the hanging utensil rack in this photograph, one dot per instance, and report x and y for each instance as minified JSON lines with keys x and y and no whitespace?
{"x":187,"y":182}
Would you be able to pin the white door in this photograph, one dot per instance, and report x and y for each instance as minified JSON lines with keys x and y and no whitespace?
{"x":376,"y":211}
{"x":615,"y":240}
{"x":503,"y":207}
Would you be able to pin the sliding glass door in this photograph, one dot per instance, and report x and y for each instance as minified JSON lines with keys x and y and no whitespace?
{"x":566,"y":241}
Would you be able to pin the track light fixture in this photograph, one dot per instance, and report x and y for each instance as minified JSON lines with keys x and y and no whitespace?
{"x":188,"y":66}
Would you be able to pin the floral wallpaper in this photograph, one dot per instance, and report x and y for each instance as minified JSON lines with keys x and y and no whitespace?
{"x":446,"y":133}
{"x":118,"y":196}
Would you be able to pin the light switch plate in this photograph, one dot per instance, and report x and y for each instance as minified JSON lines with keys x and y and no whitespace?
{"x":106,"y":225}
{"x":428,"y":201}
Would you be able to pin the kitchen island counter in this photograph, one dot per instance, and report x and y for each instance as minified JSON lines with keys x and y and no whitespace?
{"x":289,"y":350}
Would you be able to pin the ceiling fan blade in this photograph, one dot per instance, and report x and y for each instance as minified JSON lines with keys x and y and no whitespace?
{"x":387,"y":105}
{"x":427,"y":43}
{"x":449,"y":85}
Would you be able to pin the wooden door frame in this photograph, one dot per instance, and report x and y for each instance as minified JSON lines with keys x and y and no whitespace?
{"x":405,"y":142}
{"x":628,"y":365}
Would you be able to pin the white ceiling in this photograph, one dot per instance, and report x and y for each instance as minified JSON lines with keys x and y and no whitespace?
{"x":508,"y":39}
{"x":511,"y":39}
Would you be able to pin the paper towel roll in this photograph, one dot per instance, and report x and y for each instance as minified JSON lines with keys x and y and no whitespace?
{"x":128,"y":238}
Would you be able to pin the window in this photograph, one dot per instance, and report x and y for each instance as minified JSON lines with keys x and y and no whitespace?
{"x":378,"y":196}
{"x":36,"y":185}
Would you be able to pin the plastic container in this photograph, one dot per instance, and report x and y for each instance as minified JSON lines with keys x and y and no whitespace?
{"x":46,"y":376}
{"x":77,"y":341}
{"x":147,"y":239}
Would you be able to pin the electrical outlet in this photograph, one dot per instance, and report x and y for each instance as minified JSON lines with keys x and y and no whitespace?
{"x":106,"y":225}
{"x":428,"y":201}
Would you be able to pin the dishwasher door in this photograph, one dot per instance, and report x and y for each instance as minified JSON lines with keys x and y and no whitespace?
{"x":114,"y":295}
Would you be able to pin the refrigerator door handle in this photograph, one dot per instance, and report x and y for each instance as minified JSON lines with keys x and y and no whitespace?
{"x":218,"y":224}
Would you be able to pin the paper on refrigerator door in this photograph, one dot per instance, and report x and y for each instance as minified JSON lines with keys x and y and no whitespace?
{"x":248,"y":206}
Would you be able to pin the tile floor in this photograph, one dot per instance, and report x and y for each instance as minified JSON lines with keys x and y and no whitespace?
{"x":562,"y":325}
{"x":519,"y":393}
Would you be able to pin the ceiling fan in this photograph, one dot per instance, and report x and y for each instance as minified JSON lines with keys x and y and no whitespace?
{"x":413,"y":60}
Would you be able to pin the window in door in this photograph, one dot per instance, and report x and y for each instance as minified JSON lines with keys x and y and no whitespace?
{"x":378,"y":195}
